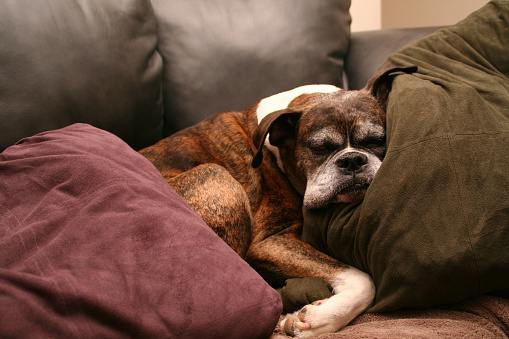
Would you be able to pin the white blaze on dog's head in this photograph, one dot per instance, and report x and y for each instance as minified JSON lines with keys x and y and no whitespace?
{"x":281,"y":100}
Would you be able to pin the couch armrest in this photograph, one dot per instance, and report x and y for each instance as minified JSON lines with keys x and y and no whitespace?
{"x":369,"y":49}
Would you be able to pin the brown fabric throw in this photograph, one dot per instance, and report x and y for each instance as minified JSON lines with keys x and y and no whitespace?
{"x":481,"y":317}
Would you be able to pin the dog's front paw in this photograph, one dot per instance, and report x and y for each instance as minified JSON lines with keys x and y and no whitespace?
{"x":354,"y":292}
{"x":296,"y":324}
{"x":313,"y":320}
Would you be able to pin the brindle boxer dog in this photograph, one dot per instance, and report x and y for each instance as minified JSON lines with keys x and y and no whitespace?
{"x":248,"y":174}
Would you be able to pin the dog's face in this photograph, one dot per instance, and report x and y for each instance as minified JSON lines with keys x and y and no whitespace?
{"x":329,"y":142}
{"x":331,"y":146}
{"x":338,"y":147}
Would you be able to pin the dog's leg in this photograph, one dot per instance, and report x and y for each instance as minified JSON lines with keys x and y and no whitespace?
{"x":353,"y":290}
{"x":220,"y":201}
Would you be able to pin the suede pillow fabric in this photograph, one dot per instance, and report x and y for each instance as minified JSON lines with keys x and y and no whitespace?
{"x":434,"y":225}
{"x":245,"y":50}
{"x":91,"y":61}
{"x":95,"y":244}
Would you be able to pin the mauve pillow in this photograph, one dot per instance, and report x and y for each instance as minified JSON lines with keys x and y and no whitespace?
{"x":94,"y":243}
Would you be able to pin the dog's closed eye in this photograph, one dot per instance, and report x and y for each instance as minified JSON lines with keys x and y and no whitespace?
{"x":323,"y":147}
{"x":372,"y":142}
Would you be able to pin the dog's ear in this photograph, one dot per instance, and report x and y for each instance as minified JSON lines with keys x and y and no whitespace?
{"x":380,"y":84}
{"x":279,"y":125}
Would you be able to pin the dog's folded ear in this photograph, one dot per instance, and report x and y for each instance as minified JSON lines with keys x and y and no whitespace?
{"x":279,"y":125}
{"x":380,"y":84}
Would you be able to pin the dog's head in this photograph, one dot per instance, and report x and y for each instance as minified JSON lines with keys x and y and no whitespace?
{"x":328,"y":141}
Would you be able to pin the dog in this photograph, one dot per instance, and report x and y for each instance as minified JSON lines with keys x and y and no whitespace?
{"x":248,"y":174}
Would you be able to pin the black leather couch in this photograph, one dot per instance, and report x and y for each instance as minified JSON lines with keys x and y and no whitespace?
{"x":144,"y":70}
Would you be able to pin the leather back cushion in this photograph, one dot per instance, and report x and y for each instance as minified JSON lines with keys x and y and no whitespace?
{"x":72,"y":61}
{"x":366,"y":53}
{"x":222,"y":55}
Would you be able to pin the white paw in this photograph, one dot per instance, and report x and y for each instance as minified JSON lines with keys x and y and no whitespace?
{"x":354,"y":292}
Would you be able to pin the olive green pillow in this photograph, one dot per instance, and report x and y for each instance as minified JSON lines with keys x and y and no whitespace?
{"x":434,"y":226}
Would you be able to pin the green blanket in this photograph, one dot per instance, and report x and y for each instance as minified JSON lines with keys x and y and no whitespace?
{"x":434,"y":226}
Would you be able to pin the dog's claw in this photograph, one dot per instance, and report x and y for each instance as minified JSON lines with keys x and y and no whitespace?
{"x":289,"y":326}
{"x":292,"y":325}
{"x":302,"y":326}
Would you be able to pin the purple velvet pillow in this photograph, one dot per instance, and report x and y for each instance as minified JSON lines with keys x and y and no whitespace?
{"x":94,"y":243}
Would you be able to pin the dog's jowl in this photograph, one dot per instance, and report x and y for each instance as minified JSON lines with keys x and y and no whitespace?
{"x":248,"y":174}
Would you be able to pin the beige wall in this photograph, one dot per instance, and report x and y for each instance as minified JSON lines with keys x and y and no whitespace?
{"x":416,"y":13}
{"x":366,"y":15}
{"x":376,"y":14}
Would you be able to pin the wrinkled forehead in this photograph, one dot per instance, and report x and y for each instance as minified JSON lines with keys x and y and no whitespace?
{"x":344,"y":105}
{"x":282,"y":100}
{"x":348,"y":112}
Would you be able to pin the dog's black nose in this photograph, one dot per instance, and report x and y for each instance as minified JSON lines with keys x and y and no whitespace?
{"x":352,"y":162}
